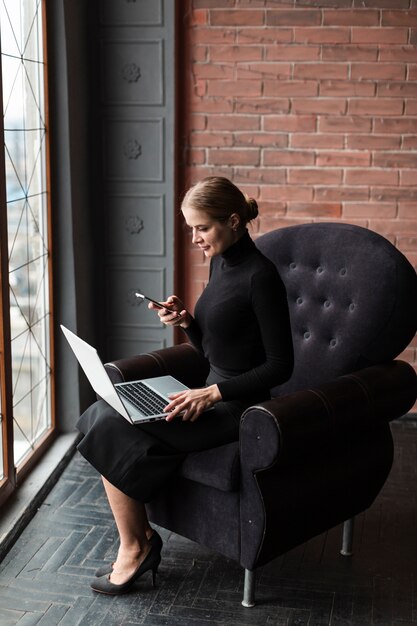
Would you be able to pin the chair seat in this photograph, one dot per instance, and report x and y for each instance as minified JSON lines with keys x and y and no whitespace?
{"x":218,"y":467}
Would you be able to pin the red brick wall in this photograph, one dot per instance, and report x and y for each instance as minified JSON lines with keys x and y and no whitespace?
{"x":309,"y":106}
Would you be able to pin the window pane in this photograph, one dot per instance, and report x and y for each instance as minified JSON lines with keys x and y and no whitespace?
{"x":25,"y":156}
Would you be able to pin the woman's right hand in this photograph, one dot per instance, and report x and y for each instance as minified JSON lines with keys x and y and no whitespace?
{"x":174,"y":314}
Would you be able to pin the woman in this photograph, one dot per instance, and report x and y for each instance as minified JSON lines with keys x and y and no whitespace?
{"x":241,"y":325}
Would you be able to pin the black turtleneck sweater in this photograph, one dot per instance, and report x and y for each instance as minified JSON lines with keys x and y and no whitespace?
{"x":242,"y":324}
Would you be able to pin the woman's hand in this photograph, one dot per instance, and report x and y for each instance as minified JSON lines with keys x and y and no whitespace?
{"x":192,"y":403}
{"x":174,"y":313}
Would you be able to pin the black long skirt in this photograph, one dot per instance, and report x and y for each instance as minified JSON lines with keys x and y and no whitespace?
{"x":141,"y":459}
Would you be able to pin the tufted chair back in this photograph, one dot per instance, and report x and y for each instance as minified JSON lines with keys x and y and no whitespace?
{"x":352,"y":298}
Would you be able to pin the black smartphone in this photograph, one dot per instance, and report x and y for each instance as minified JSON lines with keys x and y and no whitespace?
{"x":155,"y":302}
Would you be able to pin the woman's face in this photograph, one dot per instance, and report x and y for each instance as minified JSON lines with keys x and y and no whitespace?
{"x":211,"y":236}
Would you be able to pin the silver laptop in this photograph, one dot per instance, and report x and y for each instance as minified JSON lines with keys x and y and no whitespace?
{"x":138,"y":401}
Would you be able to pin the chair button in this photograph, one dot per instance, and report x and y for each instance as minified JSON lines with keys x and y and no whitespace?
{"x":343,"y":271}
{"x":299,"y":301}
{"x":326,"y":304}
{"x":319,"y":270}
{"x":307,"y":335}
{"x":293,"y":266}
{"x":351,"y":307}
{"x":333,"y":342}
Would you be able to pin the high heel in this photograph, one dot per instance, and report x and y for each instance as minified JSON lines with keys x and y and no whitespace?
{"x":156,"y":542}
{"x":151,"y":562}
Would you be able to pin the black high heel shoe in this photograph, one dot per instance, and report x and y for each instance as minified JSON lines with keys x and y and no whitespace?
{"x":104,"y":584}
{"x":155,"y":541}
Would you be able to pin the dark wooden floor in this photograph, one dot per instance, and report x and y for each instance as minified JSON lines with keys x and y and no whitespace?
{"x":44,"y":578}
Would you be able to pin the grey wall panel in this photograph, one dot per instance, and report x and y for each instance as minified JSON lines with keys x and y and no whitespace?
{"x":136,"y":225}
{"x":124,"y":308}
{"x":134,"y":150}
{"x":132,"y":12}
{"x":133,"y":72}
{"x":130,"y":346}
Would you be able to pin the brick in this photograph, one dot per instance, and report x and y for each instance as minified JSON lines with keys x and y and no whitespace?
{"x":235,"y":17}
{"x":198,"y":53}
{"x":412,"y":71}
{"x":233,"y":157}
{"x":408,"y":210}
{"x":349,"y":53}
{"x":292,"y":53}
{"x":410,"y":143}
{"x":318,"y":105}
{"x":212,"y":105}
{"x":320,"y":70}
{"x":375,"y":71}
{"x":399,"y":18}
{"x":196,"y":157}
{"x":264,"y":36}
{"x":234,"y":88}
{"x":269,"y":223}
{"x":397,"y":53}
{"x":196,"y":122}
{"x":409,"y":177}
{"x":343,"y":158}
{"x":198,"y":17}
{"x":396,"y":125}
{"x":290,"y":88}
{"x":346,"y":88}
{"x":375,"y":106}
{"x":314,"y":176}
{"x":341,"y":193}
{"x":233,"y":122}
{"x":211,"y":70}
{"x":200,"y":88}
{"x":401,"y":89}
{"x":235,"y":53}
{"x":411,"y":107}
{"x":213,"y":35}
{"x":371,"y":177}
{"x":400,"y":194}
{"x":342,"y":17}
{"x":261,"y":139}
{"x":289,"y":123}
{"x":316,"y":209}
{"x":209,"y":4}
{"x":316,"y":140}
{"x":373,"y":142}
{"x":387,"y":210}
{"x":263,"y":70}
{"x":322,"y":35}
{"x":382,"y":4}
{"x":287,"y":193}
{"x":259,"y":176}
{"x":288,"y":157}
{"x":395,"y":159}
{"x":262,"y":105}
{"x":413,"y":35}
{"x":391,"y":227}
{"x":296,"y":17}
{"x":379,"y":35}
{"x":273,"y":209}
{"x":333,"y":124}
{"x":211,"y":139}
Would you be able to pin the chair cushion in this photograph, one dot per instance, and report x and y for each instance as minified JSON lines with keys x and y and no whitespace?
{"x":218,"y":467}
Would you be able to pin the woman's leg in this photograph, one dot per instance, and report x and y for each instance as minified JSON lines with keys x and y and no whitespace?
{"x":134,"y":531}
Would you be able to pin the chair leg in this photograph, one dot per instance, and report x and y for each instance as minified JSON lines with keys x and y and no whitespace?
{"x":347,"y":539}
{"x":249,"y":589}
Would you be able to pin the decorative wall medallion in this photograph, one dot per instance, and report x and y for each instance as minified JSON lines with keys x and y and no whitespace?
{"x":133,"y":300}
{"x":131,"y":73}
{"x":132,"y":149}
{"x":133,"y":224}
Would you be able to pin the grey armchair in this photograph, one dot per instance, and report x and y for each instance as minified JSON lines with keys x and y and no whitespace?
{"x":320,"y":450}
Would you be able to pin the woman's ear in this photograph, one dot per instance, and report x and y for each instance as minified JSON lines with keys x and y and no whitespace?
{"x":234,"y":221}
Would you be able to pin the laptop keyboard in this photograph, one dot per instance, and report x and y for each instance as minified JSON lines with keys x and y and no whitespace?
{"x":147,"y":401}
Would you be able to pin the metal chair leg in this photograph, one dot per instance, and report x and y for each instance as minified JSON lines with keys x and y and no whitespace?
{"x":249,"y":589}
{"x":347,"y":539}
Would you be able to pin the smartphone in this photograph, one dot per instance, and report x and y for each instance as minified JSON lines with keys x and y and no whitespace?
{"x":158,"y":304}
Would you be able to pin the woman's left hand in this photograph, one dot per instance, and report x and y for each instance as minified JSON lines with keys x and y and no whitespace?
{"x":192,"y":403}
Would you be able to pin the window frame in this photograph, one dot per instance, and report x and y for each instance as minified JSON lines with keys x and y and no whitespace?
{"x":14,"y":475}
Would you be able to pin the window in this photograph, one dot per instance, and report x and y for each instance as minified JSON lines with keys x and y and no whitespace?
{"x":25,"y":313}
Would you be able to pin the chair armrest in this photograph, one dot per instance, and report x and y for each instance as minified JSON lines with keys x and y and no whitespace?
{"x":292,"y":427}
{"x":183,"y":362}
{"x":314,"y":458}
